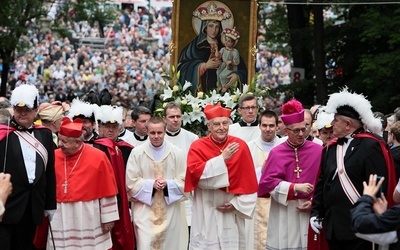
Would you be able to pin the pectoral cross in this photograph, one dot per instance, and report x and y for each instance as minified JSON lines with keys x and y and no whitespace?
{"x":298,"y":170}
{"x":65,"y":185}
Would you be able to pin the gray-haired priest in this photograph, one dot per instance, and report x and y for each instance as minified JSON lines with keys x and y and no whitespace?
{"x":86,"y":193}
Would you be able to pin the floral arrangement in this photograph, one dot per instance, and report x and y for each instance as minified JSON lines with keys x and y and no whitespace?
{"x":192,"y":105}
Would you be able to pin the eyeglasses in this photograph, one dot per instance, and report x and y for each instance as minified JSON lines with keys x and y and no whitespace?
{"x":297,"y":130}
{"x":249,"y":108}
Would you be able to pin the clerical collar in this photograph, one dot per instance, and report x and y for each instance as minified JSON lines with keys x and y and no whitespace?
{"x":78,"y":151}
{"x":245,"y":124}
{"x":140,"y":138}
{"x":122,"y":133}
{"x":219,"y":142}
{"x":293,"y":146}
{"x":173,"y":133}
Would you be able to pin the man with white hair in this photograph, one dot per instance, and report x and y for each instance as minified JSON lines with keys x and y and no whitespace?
{"x":86,"y":193}
{"x":346,"y":164}
{"x":221,"y":173}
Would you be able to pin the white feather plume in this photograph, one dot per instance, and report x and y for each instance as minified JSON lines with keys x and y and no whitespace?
{"x":360,"y":104}
{"x":25,"y":94}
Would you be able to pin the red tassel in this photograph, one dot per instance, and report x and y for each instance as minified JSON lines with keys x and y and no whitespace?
{"x":40,"y":239}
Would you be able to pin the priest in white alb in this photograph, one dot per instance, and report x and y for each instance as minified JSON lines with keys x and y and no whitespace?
{"x":155,"y":174}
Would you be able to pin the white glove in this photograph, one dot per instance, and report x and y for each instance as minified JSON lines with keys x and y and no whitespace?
{"x":49,"y":214}
{"x":316,"y":224}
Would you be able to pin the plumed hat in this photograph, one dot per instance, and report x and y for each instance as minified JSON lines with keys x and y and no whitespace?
{"x":324,"y":120}
{"x":25,"y":95}
{"x":52,"y":112}
{"x":354,"y":106}
{"x":212,"y":111}
{"x":292,"y":112}
{"x":80,"y":109}
{"x":109,"y":114}
{"x":70,"y":128}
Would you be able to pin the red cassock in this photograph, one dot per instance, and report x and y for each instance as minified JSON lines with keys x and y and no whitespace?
{"x":122,"y":233}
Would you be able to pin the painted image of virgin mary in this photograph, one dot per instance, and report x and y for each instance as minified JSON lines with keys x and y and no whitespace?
{"x":200,"y":59}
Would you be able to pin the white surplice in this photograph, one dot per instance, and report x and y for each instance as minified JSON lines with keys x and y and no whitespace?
{"x":157,"y":218}
{"x":212,"y":229}
{"x":77,"y":225}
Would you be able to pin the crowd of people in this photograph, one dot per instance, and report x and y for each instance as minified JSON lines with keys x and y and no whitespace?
{"x":128,"y":67}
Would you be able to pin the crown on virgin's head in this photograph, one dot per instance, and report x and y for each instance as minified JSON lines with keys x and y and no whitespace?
{"x":232,"y":33}
{"x":212,"y":12}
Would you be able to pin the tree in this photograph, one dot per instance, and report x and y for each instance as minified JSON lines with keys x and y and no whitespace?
{"x":92,"y":11}
{"x":18,"y":16}
{"x":15,"y":19}
{"x":370,"y":59}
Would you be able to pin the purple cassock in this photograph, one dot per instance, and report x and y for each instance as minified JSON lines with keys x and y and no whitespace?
{"x":281,"y":166}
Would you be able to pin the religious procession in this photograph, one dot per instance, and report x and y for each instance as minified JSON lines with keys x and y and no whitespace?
{"x":190,"y":139}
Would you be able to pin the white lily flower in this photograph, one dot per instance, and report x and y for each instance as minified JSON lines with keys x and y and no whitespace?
{"x":233,"y":114}
{"x":187,"y":85}
{"x":237,"y":92}
{"x":167,"y":93}
{"x":197,"y":114}
{"x":178,"y":100}
{"x":245,"y":88}
{"x":186,"y":119}
{"x":260,"y":101}
{"x":228,"y":101}
{"x":215,"y":96}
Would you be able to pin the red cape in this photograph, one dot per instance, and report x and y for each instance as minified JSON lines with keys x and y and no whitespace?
{"x":122,"y":233}
{"x":242,"y":176}
{"x":98,"y":175}
{"x":6,"y":130}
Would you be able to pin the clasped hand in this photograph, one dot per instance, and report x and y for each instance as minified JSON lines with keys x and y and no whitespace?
{"x":227,"y":207}
{"x":159,"y":183}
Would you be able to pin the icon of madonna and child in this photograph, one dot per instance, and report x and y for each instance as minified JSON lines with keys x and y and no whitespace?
{"x":211,"y":61}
